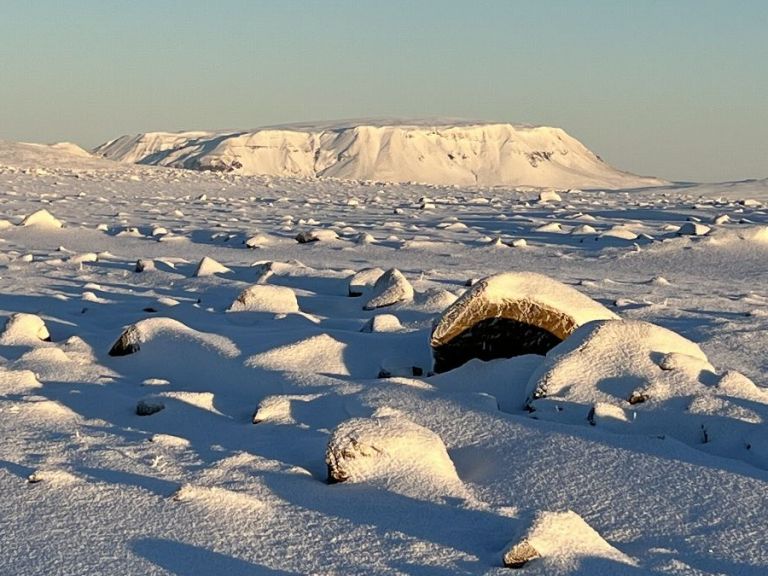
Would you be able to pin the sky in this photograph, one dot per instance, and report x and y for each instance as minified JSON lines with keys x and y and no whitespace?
{"x":676,"y":89}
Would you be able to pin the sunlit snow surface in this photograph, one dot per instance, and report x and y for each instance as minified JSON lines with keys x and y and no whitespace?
{"x":90,"y":487}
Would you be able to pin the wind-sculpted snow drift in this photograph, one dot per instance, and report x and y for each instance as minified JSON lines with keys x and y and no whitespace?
{"x":427,"y":152}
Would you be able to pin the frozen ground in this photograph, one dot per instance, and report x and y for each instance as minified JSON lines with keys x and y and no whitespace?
{"x":448,"y":473}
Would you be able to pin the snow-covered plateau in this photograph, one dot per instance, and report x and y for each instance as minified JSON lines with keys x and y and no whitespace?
{"x":431,"y":152}
{"x":216,"y":373}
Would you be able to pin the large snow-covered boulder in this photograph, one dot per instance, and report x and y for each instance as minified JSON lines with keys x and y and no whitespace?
{"x":266,"y":298}
{"x":21,"y":328}
{"x":391,"y":451}
{"x":634,"y":377}
{"x":558,"y":542}
{"x":510,"y":314}
{"x":391,"y":287}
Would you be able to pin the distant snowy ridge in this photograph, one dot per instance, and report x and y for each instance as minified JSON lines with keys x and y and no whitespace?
{"x":455,"y":153}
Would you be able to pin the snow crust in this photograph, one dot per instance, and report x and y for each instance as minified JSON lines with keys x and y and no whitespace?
{"x":676,"y":482}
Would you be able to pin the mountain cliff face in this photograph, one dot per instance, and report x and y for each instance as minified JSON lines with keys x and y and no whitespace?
{"x":448,"y":154}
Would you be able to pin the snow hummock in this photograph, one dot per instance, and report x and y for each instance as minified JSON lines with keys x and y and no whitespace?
{"x":21,"y":328}
{"x":208,"y":267}
{"x":145,"y":331}
{"x":391,"y":450}
{"x":42,"y":219}
{"x":433,"y":152}
{"x":390,"y":288}
{"x":266,"y":298}
{"x":635,"y":377}
{"x":557,"y":542}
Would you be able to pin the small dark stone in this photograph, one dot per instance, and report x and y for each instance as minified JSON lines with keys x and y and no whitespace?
{"x":150,"y":309}
{"x":384,"y":374}
{"x":417,"y":371}
{"x":306,"y":237}
{"x":637,"y":397}
{"x":147,"y":408}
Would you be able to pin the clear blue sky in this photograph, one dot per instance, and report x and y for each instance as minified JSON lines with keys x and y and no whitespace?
{"x":677,"y":89}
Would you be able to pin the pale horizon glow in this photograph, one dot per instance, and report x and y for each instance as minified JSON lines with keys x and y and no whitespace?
{"x":676,"y":90}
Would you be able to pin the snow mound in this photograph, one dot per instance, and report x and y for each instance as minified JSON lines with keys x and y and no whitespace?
{"x":364,"y":280}
{"x":208,"y":267}
{"x":41,"y":219}
{"x":417,"y":151}
{"x":21,"y":328}
{"x":628,"y":353}
{"x":558,"y":542}
{"x":391,"y":287}
{"x":277,"y":409}
{"x":510,"y":314}
{"x":144,"y":331}
{"x":390,"y":449}
{"x":321,"y":354}
{"x":265,"y":298}
{"x":633,"y":377}
{"x":18,"y":381}
{"x":383,"y":323}
{"x":316,"y":235}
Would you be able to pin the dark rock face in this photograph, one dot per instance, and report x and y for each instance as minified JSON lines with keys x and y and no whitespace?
{"x":493,"y":338}
{"x":306,"y":237}
{"x":128,"y":343}
{"x":520,"y":554}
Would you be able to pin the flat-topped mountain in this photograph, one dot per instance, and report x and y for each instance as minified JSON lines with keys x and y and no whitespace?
{"x":432,"y":152}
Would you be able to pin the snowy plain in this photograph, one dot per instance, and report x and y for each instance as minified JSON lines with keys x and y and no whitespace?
{"x":91,"y":487}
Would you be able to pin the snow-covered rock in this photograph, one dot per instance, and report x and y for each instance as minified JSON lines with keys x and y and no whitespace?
{"x":510,"y":314}
{"x":391,"y":287}
{"x":382,"y":323}
{"x":428,"y":151}
{"x":144,"y":331}
{"x":209,"y":267}
{"x":316,"y":235}
{"x":41,"y":219}
{"x":364,"y":280}
{"x":558,"y":542}
{"x":22,"y":328}
{"x":634,"y":377}
{"x":266,"y":298}
{"x":694,"y":229}
{"x":393,"y":451}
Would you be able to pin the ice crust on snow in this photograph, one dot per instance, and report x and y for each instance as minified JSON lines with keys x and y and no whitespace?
{"x":429,"y":152}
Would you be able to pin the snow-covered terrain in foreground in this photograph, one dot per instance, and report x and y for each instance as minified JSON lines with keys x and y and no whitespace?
{"x":431,"y":152}
{"x":251,"y":397}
